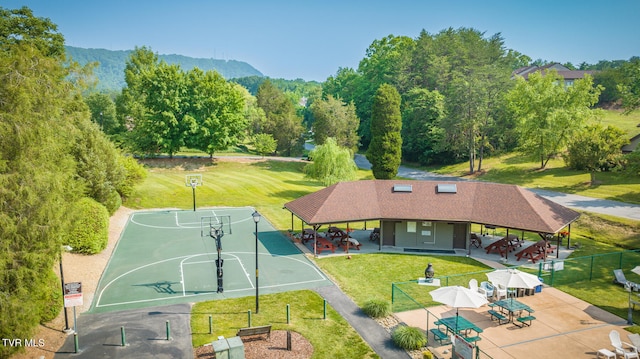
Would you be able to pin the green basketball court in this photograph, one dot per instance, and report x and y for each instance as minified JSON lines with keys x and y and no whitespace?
{"x":169,"y":256}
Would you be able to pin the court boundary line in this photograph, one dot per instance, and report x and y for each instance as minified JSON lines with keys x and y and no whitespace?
{"x":99,"y":298}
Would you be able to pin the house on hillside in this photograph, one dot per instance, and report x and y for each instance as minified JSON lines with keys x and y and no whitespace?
{"x":633,"y":144}
{"x":431,"y":215}
{"x":569,"y":75}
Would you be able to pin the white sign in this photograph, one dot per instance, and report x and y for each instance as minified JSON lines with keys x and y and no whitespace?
{"x":73,"y":294}
{"x":464,"y":350}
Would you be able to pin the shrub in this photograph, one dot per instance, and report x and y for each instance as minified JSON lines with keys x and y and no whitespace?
{"x":90,"y":232}
{"x":377,"y":308}
{"x":409,"y":338}
{"x":134,"y":174}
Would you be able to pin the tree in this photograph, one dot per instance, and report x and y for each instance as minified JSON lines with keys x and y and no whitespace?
{"x":218,"y":110}
{"x":385,"y":149}
{"x":630,"y":89}
{"x":331,"y":163}
{"x":550,"y":113}
{"x":37,"y":177}
{"x":264,"y":144}
{"x":333,"y":118}
{"x":103,"y":112}
{"x":281,"y":120}
{"x":423,"y":112}
{"x":595,"y":149}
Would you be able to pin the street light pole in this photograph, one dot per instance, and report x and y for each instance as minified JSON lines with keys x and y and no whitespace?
{"x":256,"y":218}
{"x":64,"y":307}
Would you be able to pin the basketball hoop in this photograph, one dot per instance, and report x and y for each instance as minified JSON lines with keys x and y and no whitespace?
{"x":193,"y":181}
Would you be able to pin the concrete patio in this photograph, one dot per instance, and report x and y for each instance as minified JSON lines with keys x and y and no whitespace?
{"x":564,"y":327}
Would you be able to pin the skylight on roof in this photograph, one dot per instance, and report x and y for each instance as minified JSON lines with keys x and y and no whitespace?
{"x":447,"y":188}
{"x":402,"y":188}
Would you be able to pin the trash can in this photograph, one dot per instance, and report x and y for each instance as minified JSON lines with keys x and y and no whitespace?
{"x":539,"y":288}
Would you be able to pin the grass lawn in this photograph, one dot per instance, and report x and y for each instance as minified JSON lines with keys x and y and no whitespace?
{"x":265,"y":185}
{"x":369,"y":276}
{"x":332,"y":337}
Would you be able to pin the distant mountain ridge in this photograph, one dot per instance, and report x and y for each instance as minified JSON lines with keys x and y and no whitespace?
{"x":110,"y":71}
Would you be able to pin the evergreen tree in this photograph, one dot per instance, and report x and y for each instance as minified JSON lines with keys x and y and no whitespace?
{"x":385,"y":149}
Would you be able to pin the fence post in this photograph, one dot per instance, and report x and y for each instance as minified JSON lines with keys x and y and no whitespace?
{"x":288,"y":316}
{"x":249,"y":317}
{"x":324,"y":309}
{"x":210,"y":324}
{"x":168,"y":325}
{"x":122,"y":336}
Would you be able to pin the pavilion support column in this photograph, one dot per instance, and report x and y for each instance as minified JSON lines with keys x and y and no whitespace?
{"x":569,"y":236}
{"x":506,"y":253}
{"x":292,"y":228}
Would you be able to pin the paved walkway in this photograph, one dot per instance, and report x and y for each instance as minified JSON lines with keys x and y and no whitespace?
{"x":372,"y":333}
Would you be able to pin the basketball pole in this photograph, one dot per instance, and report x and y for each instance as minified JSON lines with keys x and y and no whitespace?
{"x":193,"y":187}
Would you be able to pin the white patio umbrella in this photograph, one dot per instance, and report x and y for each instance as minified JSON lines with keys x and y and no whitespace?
{"x":513,"y":278}
{"x":458,"y":297}
{"x":636,"y":270}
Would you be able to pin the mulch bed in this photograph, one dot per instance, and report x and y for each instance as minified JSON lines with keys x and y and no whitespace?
{"x":259,"y":347}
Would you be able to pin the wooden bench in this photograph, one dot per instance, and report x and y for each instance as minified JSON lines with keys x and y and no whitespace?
{"x":498,"y":316}
{"x":251,"y":331}
{"x":440,"y":336}
{"x":525,"y":321}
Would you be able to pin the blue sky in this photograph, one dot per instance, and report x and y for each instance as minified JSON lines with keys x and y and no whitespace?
{"x":313,"y":39}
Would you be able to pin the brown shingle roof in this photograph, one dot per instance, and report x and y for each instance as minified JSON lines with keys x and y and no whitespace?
{"x":501,"y":205}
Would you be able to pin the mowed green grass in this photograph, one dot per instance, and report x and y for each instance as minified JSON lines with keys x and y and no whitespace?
{"x":265,"y":185}
{"x":332,"y":337}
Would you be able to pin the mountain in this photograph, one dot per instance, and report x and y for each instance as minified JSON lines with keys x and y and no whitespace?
{"x":110,"y":71}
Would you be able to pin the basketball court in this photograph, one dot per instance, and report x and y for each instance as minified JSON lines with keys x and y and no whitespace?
{"x":169,"y":256}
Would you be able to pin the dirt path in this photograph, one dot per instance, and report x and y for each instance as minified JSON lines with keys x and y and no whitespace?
{"x":77,"y":268}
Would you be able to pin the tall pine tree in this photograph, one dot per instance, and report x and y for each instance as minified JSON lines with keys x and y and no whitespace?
{"x":385,"y":149}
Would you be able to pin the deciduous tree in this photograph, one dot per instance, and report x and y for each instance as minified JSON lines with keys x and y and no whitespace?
{"x":595,"y":149}
{"x":333,"y":118}
{"x":550,"y":113}
{"x":331,"y":163}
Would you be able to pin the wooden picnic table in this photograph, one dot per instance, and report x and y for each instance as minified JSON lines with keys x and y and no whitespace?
{"x":336,"y":233}
{"x":503,"y":245}
{"x":322,"y":244}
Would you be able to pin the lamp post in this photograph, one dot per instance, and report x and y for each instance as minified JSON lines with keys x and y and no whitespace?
{"x":256,"y":218}
{"x":66,"y":316}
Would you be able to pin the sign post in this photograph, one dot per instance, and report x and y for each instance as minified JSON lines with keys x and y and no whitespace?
{"x":73,"y":298}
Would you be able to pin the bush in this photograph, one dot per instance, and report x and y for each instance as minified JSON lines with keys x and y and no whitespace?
{"x":409,"y":338}
{"x":377,"y":308}
{"x":134,"y":174}
{"x":90,"y":232}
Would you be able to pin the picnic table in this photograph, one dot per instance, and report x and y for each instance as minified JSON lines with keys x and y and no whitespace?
{"x":459,"y":325}
{"x":513,"y":307}
{"x":322,"y":244}
{"x":309,"y":234}
{"x":504,"y":245}
{"x":349,"y":242}
{"x":336,"y":233}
